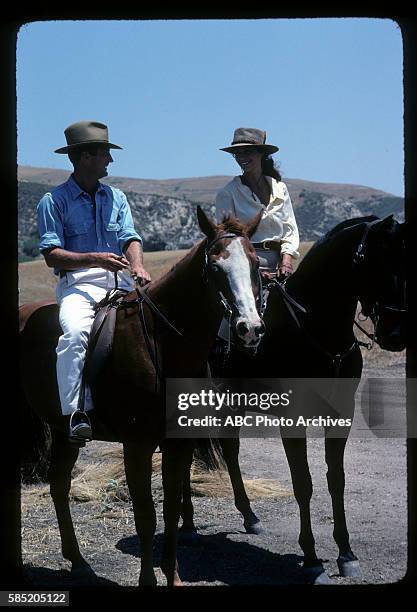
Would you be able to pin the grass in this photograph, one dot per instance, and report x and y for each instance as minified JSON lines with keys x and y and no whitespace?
{"x":104,"y":481}
{"x":37,"y":281}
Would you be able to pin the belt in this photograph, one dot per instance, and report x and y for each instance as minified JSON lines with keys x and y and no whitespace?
{"x":267,"y":245}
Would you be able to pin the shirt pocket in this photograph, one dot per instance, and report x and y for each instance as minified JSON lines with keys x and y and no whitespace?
{"x":75,"y":229}
{"x":112,"y":237}
{"x":77,"y":236}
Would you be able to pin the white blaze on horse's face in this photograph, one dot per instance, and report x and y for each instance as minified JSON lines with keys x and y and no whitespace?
{"x":235,"y":264}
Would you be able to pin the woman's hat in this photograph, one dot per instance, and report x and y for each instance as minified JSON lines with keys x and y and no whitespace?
{"x":86,"y":132}
{"x":250,"y":137}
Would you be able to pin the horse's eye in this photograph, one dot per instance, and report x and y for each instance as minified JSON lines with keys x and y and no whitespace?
{"x":215,"y":268}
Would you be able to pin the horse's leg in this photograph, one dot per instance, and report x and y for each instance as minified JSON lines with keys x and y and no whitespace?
{"x":187,"y":510}
{"x":63,"y":458}
{"x":230,"y":452}
{"x":296,"y":452}
{"x":176,"y":456}
{"x":347,"y":562}
{"x":138,"y":468}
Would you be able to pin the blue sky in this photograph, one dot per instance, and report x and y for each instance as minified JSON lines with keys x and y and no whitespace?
{"x":328,"y":92}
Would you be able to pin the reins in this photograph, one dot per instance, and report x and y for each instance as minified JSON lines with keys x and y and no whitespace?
{"x":358,"y":260}
{"x":142,"y":297}
{"x":337,"y":358}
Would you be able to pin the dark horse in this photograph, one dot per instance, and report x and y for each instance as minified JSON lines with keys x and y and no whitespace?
{"x":129,"y":394}
{"x":361,"y":260}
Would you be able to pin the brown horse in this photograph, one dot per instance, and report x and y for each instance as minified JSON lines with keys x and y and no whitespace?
{"x":128,"y":394}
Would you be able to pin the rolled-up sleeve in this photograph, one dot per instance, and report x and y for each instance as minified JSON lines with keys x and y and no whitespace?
{"x":224,"y":205}
{"x":50,"y":227}
{"x":127,"y":231}
{"x":290,"y":240}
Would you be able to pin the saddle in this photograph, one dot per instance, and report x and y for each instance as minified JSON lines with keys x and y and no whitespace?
{"x":39,"y":326}
{"x":101,"y":335}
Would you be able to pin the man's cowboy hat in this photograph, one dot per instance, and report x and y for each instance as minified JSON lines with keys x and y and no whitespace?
{"x":86,"y":132}
{"x":250,"y":137}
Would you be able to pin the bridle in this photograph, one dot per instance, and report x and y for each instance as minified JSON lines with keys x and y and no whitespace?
{"x":115,"y":296}
{"x":227,"y":307}
{"x":376,"y":309}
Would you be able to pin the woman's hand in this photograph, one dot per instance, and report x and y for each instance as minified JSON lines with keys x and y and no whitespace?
{"x":285,"y":267}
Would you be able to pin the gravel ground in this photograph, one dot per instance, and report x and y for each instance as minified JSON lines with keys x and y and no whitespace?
{"x":225,"y":555}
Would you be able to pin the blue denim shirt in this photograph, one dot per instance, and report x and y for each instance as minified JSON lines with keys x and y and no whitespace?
{"x":66,"y":219}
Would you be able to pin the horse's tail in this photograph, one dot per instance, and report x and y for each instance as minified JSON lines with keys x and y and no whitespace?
{"x":35,"y":445}
{"x":208,"y":452}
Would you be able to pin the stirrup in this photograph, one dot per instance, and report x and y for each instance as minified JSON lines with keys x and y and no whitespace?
{"x":81,"y":432}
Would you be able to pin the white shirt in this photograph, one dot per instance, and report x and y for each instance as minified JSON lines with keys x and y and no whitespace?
{"x":278,"y":220}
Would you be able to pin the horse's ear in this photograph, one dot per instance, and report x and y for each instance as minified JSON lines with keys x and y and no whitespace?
{"x":207,"y":226}
{"x":252,"y":226}
{"x":384,"y":224}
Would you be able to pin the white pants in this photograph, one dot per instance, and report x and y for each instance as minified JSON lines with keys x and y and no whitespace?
{"x":77,"y":293}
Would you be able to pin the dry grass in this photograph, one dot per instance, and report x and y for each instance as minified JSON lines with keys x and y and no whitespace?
{"x":217,"y":484}
{"x":37,"y":281}
{"x":104,"y":482}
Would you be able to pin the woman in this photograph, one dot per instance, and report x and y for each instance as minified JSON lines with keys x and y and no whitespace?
{"x":260,"y":187}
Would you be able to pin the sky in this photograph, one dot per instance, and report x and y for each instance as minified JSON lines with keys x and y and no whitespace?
{"x":328,"y":92}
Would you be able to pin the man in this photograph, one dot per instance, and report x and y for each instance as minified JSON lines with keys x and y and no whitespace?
{"x":87,"y":236}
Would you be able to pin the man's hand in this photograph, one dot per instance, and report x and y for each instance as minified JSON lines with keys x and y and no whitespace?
{"x":140,"y":275}
{"x":134,"y":255}
{"x":111,"y":262}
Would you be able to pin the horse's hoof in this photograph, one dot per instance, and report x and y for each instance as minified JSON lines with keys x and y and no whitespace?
{"x":84,"y":573}
{"x":148,"y":580}
{"x":315,"y":575}
{"x":188,"y":537}
{"x":349,"y":568}
{"x":254,"y":528}
{"x":173,"y":578}
{"x":187,"y":528}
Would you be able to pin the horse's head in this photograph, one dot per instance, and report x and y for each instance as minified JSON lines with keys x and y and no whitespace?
{"x":232,"y":268}
{"x":381,"y":255}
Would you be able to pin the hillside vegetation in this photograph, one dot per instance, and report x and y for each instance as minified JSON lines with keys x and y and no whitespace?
{"x":164,"y":210}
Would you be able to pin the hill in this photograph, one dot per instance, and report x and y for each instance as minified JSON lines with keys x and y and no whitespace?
{"x":201,"y":189}
{"x":164,"y":210}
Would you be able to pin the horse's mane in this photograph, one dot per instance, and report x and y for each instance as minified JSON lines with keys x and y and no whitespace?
{"x":330,"y":237}
{"x":341,"y":227}
{"x":229,"y":223}
{"x":346,"y":224}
